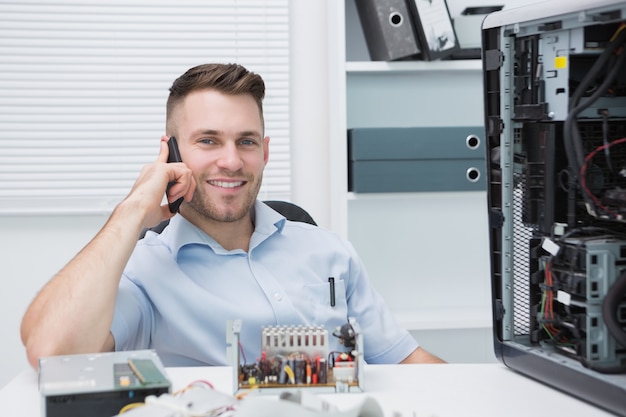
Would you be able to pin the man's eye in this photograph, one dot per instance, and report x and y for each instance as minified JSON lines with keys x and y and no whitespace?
{"x":207,"y":141}
{"x":247,"y":142}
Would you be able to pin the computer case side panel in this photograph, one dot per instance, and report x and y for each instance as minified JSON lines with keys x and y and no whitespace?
{"x":492,"y":62}
{"x":609,"y":397}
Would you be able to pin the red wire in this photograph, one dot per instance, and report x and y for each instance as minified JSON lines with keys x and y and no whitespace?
{"x":583,"y":179}
{"x":243,"y":355}
{"x":549,"y":308}
{"x":202,"y":382}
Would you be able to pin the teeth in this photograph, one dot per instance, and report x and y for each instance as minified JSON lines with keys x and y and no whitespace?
{"x":225,"y":184}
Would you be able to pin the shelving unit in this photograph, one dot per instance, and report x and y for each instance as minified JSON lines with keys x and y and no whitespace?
{"x":426,"y":253}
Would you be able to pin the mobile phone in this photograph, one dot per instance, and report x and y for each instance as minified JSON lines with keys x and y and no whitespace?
{"x":174,"y":156}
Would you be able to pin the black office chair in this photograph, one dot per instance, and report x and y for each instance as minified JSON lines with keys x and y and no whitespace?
{"x":291,"y":211}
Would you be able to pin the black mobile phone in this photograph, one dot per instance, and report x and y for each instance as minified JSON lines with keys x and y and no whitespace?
{"x":174,"y":156}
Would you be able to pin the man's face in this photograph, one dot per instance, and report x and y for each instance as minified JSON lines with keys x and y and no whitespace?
{"x":221,"y":140}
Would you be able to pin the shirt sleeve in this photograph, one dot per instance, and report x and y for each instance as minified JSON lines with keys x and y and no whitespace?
{"x":132,"y":318}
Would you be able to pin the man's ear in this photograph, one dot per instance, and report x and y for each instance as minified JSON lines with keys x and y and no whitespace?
{"x":266,"y":149}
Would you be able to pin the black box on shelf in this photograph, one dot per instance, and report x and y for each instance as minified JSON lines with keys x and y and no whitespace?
{"x":411,"y":159}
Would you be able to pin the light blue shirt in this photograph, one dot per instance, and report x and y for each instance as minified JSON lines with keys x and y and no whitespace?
{"x":181,"y":287}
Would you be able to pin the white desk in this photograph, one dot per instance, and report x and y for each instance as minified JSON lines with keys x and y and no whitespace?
{"x":451,"y":390}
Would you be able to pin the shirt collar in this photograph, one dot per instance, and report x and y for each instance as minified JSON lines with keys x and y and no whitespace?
{"x":180,"y":232}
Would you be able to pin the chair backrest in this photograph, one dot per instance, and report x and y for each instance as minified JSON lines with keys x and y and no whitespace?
{"x":291,"y":211}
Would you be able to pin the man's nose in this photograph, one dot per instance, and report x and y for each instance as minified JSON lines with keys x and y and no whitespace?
{"x":230,"y":157}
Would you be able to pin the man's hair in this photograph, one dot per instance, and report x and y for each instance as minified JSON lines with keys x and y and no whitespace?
{"x":231,"y":79}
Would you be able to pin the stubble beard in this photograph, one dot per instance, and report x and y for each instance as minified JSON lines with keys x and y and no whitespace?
{"x":226,"y":209}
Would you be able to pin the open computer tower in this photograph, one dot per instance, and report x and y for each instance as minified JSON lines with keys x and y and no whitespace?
{"x":555,"y":118}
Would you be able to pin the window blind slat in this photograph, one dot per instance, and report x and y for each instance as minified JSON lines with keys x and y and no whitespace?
{"x":83,"y":86}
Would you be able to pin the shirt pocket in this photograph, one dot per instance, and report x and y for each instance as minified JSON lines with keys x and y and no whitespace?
{"x":323,"y":311}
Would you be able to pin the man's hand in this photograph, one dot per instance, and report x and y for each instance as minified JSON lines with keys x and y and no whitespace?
{"x":147,"y":192}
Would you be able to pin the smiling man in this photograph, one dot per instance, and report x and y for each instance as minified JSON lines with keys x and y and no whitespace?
{"x":225,"y":256}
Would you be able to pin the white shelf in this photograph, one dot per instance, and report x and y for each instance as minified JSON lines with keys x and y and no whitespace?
{"x":445,"y":318}
{"x":413,"y":66}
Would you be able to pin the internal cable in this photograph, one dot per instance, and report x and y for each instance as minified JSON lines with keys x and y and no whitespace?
{"x":572,"y":132}
{"x":609,"y":58}
{"x":570,"y":127}
{"x":583,"y":180}
{"x":605,"y":138}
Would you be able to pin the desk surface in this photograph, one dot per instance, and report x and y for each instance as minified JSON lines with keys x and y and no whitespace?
{"x":451,"y":390}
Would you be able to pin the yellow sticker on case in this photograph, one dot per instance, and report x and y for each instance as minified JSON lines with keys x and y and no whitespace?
{"x":560,"y":62}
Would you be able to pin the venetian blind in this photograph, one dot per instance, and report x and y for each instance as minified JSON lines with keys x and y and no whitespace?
{"x":83,"y":85}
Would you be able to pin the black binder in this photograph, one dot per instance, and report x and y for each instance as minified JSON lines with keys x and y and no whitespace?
{"x":388,"y":29}
{"x":434,"y":29}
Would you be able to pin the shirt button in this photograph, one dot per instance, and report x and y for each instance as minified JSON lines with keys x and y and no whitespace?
{"x":277,"y":296}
